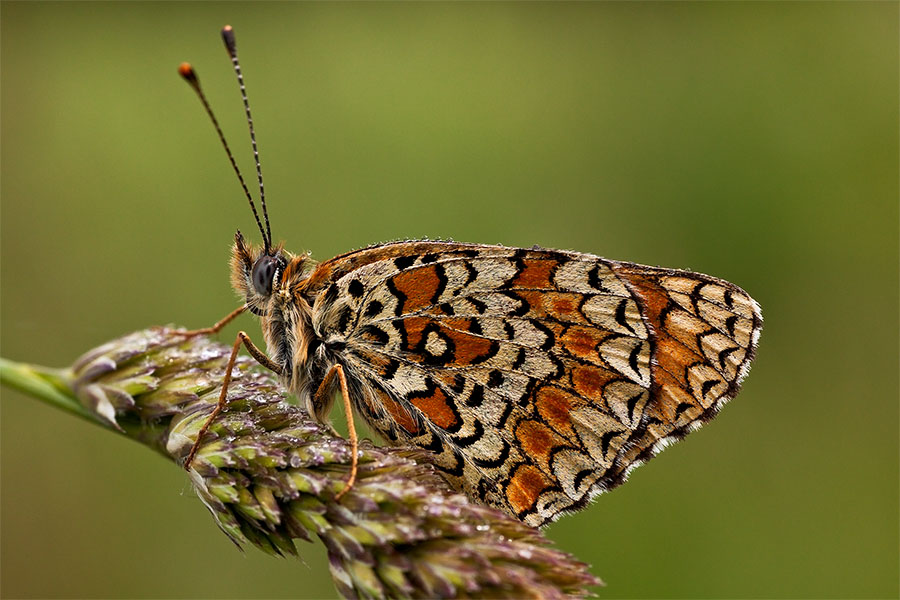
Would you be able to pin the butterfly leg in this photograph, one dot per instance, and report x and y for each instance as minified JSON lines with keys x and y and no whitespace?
{"x":217,"y":327}
{"x":320,"y":397}
{"x":256,"y":353}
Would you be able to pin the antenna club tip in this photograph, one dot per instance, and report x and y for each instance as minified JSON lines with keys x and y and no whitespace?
{"x":187,"y":71}
{"x":228,"y":38}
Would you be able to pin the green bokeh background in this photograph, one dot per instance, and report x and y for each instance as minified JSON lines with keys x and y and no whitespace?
{"x":756,"y":142}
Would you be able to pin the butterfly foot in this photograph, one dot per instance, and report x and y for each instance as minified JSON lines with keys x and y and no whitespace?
{"x":190,"y":458}
{"x":350,"y":480}
{"x":209,"y":421}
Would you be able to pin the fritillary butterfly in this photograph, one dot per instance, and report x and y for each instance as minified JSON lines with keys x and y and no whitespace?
{"x":537,"y":378}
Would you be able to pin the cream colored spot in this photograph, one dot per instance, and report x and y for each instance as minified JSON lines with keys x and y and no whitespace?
{"x":435,"y":345}
{"x":603,"y":311}
{"x":630,"y":357}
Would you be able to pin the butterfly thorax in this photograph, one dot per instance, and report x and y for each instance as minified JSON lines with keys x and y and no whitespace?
{"x":279,"y":302}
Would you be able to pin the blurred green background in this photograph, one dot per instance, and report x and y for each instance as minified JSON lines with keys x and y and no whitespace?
{"x":755,"y":142}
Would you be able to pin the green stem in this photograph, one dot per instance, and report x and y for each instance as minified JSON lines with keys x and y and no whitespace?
{"x":49,"y":385}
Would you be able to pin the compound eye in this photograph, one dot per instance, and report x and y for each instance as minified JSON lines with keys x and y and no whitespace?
{"x":263,"y":274}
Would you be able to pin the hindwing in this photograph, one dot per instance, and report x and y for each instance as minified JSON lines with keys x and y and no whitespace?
{"x":538,"y":378}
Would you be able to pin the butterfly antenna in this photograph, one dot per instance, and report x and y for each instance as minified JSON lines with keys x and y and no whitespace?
{"x":187,"y":72}
{"x":231,"y":46}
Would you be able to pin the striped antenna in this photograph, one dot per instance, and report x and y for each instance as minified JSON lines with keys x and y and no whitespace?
{"x":188,"y":74}
{"x":231,"y":46}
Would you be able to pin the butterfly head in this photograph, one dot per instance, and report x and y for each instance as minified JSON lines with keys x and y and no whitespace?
{"x":257,"y":274}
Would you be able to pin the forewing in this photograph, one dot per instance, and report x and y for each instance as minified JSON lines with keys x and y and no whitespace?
{"x":539,"y":378}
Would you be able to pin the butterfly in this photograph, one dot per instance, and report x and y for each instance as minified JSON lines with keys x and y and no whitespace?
{"x":536,"y":378}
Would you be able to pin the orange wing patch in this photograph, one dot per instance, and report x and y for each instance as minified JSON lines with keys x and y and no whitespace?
{"x":555,"y":406}
{"x":438,"y":408}
{"x":590,"y":381}
{"x":420,"y":287}
{"x":535,"y":274}
{"x":539,"y":442}
{"x":399,"y":414}
{"x":429,"y":340}
{"x":583,"y":341}
{"x":525,"y":487}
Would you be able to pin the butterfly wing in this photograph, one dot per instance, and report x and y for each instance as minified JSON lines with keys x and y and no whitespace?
{"x":538,"y":378}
